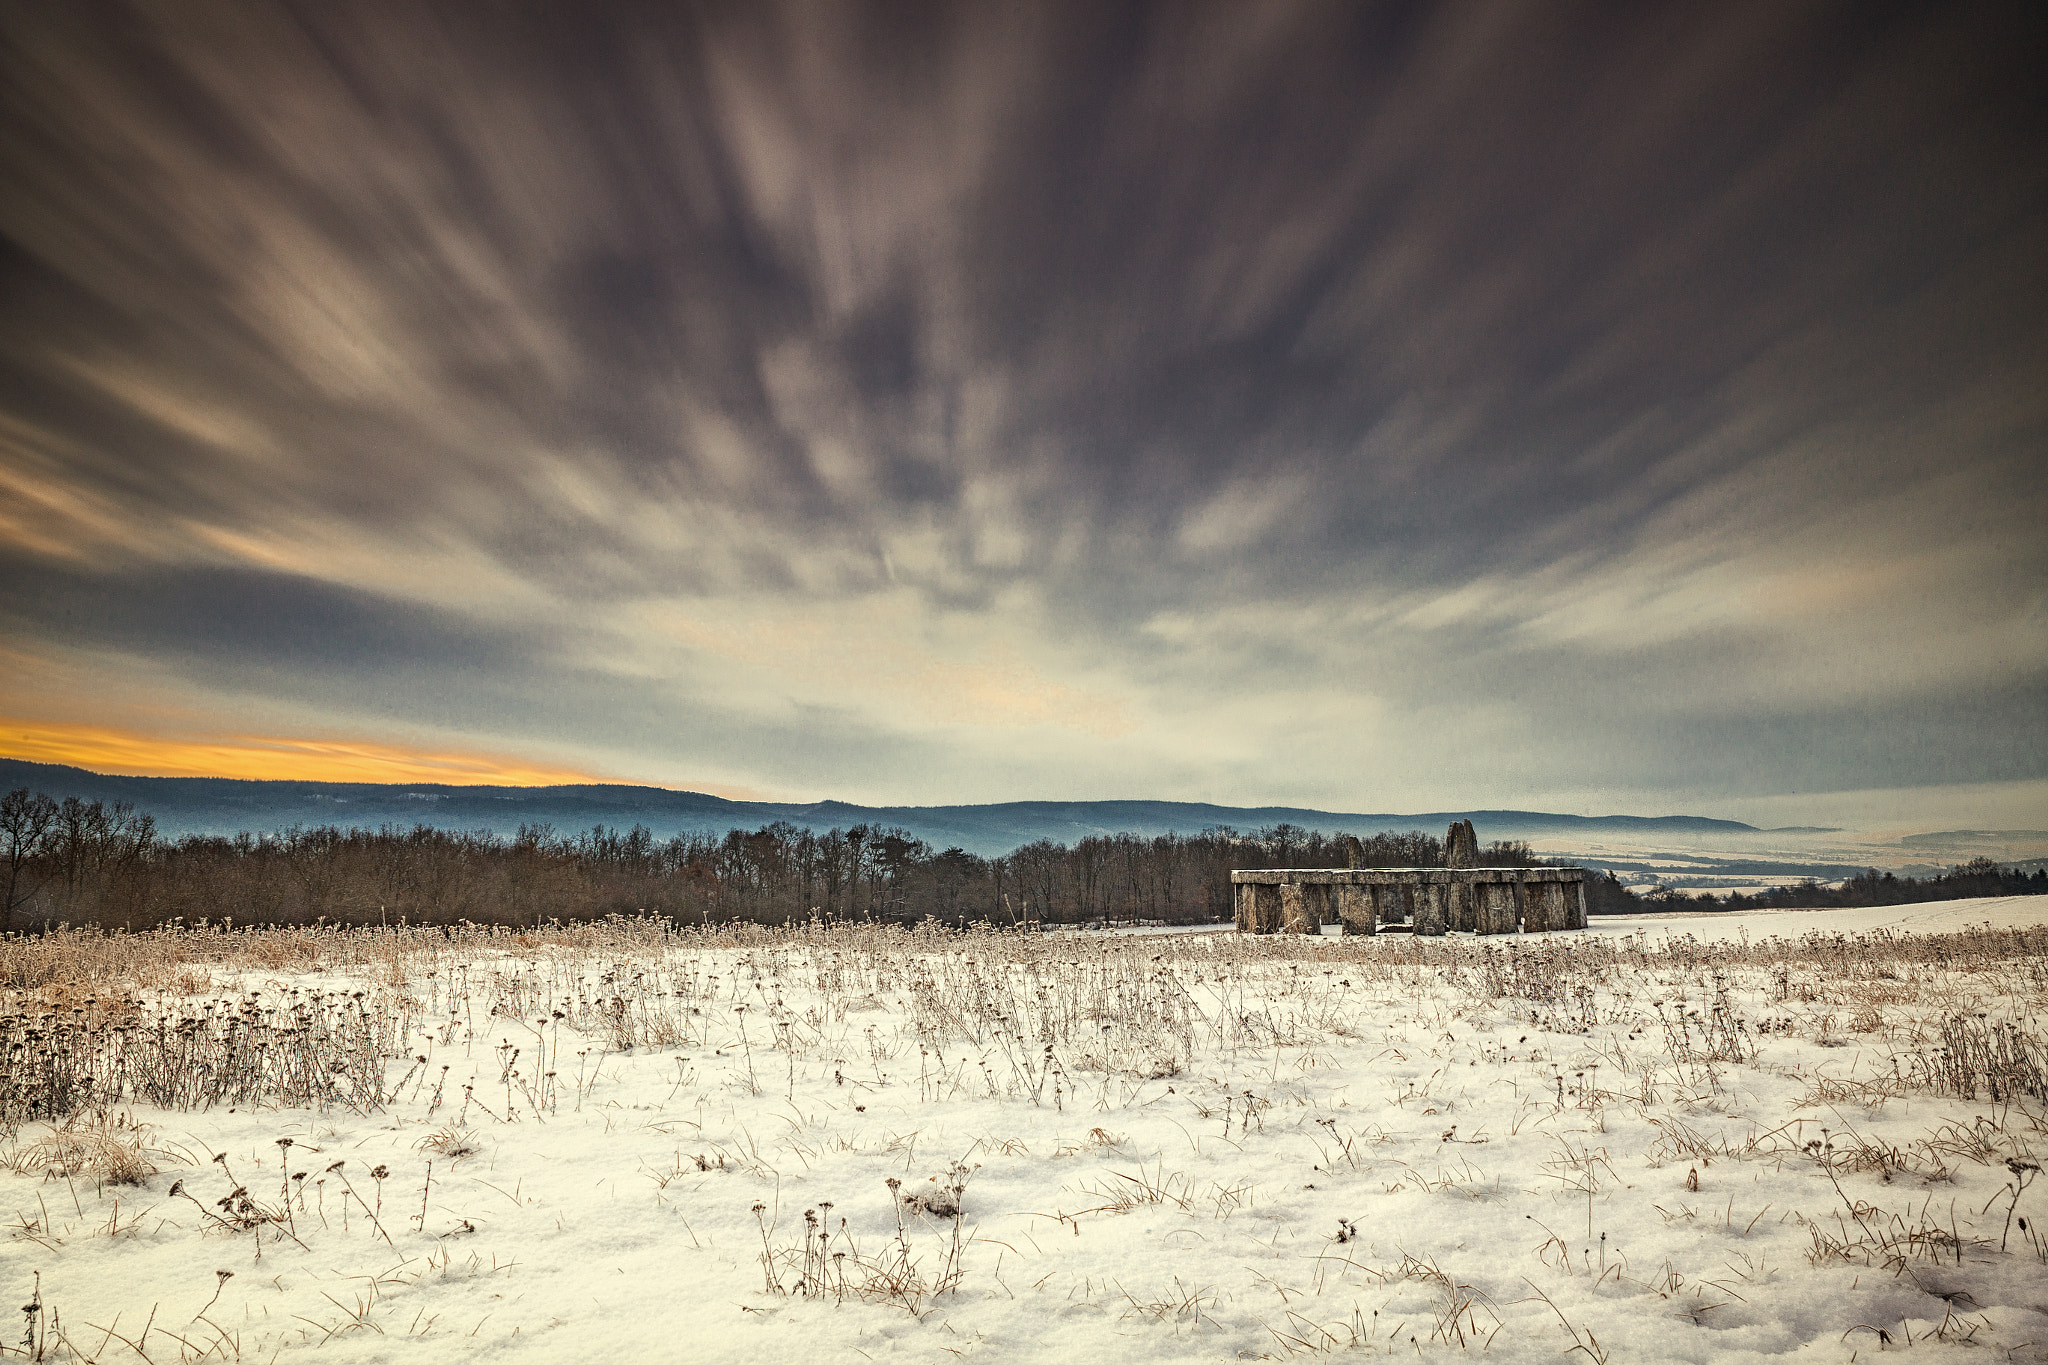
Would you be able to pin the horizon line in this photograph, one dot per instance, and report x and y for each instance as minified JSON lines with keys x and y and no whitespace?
{"x":541,"y":786}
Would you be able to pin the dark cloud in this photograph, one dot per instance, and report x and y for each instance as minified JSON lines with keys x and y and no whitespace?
{"x":1141,"y":372}
{"x":234,"y":620}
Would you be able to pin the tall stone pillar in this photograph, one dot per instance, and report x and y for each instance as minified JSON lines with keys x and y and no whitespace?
{"x":1575,"y":904}
{"x":1543,"y":908}
{"x":1461,"y":845}
{"x":1461,"y":850}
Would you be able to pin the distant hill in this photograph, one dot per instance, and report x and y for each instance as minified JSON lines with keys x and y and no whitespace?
{"x":219,"y":805}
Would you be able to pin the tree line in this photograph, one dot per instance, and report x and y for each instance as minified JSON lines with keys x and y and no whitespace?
{"x":87,"y":863}
{"x":84,"y":862}
{"x":1978,"y":877}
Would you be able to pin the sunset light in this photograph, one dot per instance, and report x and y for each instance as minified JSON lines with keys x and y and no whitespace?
{"x":298,"y":758}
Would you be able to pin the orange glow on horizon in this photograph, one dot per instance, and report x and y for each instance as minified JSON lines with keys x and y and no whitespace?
{"x":131,"y":753}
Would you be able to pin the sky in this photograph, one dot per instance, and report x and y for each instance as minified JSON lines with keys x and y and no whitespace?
{"x":1633,"y":409}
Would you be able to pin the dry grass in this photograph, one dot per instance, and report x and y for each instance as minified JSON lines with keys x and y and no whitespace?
{"x":1059,"y":1020}
{"x":106,"y":1149}
{"x":1082,"y":1028}
{"x":451,"y":1142}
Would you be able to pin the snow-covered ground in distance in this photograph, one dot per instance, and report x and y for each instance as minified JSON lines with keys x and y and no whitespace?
{"x":1722,"y":861}
{"x":1930,"y":917}
{"x":1184,"y":1147}
{"x":1710,"y":926}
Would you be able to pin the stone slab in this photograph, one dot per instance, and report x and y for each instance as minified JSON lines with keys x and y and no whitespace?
{"x":1404,"y":876}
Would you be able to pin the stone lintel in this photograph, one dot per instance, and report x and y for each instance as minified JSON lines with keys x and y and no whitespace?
{"x":1405,"y":876}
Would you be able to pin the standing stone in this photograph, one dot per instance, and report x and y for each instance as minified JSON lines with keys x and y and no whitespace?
{"x":1354,"y":852}
{"x":1354,"y":907}
{"x":1575,"y":905}
{"x":1317,"y":905}
{"x":1295,"y":916}
{"x":1461,"y":849}
{"x":1541,"y":907}
{"x":1258,"y":907}
{"x":1430,"y":908}
{"x":1496,"y":908}
{"x":1464,"y":906}
{"x":1461,"y":845}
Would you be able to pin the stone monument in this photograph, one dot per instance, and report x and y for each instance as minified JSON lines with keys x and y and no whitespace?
{"x":1461,"y":849}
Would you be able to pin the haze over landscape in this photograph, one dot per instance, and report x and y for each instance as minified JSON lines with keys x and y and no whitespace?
{"x":1348,"y":408}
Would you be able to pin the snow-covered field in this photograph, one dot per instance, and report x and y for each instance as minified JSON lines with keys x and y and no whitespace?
{"x":1931,"y":917}
{"x":1675,"y":1139}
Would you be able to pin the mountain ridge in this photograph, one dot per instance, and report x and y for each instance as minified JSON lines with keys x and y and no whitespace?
{"x":222,"y":805}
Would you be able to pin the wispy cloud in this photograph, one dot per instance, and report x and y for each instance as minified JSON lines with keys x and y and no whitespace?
{"x":1266,"y":402}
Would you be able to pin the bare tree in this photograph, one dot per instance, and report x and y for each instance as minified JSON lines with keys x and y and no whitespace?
{"x":27,"y":820}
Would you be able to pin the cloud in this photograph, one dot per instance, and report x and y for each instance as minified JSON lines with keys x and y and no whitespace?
{"x":978,"y":403}
{"x":109,"y":749}
{"x":1244,"y":514}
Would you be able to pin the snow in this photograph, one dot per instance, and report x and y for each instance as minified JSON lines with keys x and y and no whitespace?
{"x":1241,"y":1148}
{"x":1930,"y":917}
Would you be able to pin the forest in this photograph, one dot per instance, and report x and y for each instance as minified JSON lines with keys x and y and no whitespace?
{"x":86,"y":862}
{"x":1979,"y":877}
{"x":82,"y":862}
